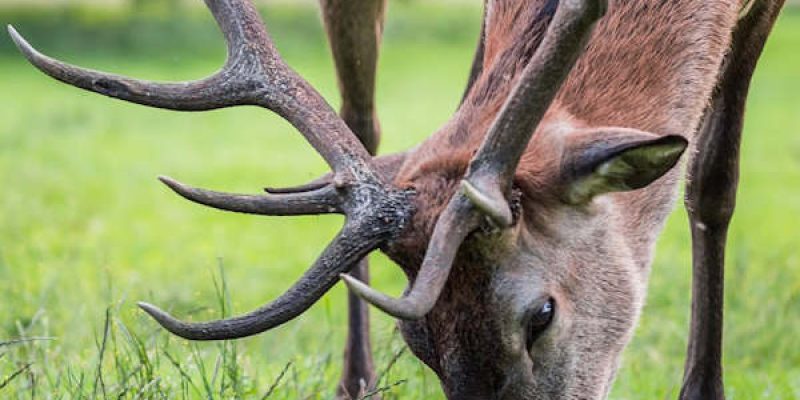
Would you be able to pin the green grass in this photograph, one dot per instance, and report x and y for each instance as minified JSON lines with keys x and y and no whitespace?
{"x":86,"y":230}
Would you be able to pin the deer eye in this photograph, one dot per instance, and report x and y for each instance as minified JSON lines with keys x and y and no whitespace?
{"x":539,"y":320}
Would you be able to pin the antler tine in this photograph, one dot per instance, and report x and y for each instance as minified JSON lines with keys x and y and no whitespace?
{"x":322,"y":200}
{"x":351,"y":245}
{"x":304,"y":188}
{"x":456,"y":222}
{"x":492,"y":168}
{"x":205,"y":94}
{"x":254,"y":74}
{"x":387,"y":165}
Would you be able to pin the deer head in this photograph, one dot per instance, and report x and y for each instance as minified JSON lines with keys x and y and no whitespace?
{"x":522,"y":283}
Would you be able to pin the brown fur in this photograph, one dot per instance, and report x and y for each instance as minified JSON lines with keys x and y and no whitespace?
{"x":651,"y":65}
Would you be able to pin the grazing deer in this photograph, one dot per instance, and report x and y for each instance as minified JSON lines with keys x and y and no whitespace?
{"x":536,"y":206}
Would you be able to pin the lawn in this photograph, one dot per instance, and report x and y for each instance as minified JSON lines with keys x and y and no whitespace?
{"x":86,"y":230}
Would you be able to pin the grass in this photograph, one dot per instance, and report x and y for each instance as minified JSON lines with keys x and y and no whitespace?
{"x":86,"y":230}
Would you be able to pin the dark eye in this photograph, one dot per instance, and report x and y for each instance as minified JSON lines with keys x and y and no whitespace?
{"x":539,"y":321}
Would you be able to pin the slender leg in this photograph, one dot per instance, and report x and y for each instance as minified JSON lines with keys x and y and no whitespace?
{"x":354,"y":30}
{"x":711,"y":198}
{"x":358,"y":375}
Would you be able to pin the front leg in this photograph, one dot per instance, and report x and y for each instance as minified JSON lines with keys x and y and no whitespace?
{"x":711,"y":197}
{"x":354,"y":30}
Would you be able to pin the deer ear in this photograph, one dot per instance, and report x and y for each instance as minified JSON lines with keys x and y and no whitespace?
{"x":624,"y":161}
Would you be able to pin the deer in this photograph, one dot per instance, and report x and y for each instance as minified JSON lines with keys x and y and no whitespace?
{"x":526,"y":224}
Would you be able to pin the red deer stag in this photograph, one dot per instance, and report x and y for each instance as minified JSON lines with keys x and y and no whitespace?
{"x":536,"y":206}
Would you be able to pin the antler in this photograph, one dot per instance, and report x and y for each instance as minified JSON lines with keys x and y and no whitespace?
{"x":453,"y":226}
{"x":487,"y":184}
{"x":492,"y":168}
{"x":323,"y":199}
{"x":255,"y":74}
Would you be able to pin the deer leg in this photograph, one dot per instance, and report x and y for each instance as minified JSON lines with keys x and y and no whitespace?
{"x":711,"y":197}
{"x":354,"y":30}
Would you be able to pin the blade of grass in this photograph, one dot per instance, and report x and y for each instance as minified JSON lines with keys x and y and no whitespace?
{"x":125,"y":387}
{"x":184,"y":374}
{"x":221,"y":289}
{"x":320,"y":366}
{"x":77,"y":392}
{"x":296,"y":382}
{"x":33,"y":383}
{"x":217,"y":365}
{"x":382,"y":390}
{"x":201,"y":367}
{"x":146,"y":388}
{"x":98,"y":380}
{"x":231,"y":376}
{"x":13,"y":376}
{"x":384,"y":374}
{"x":277,"y":381}
{"x":139,"y":350}
{"x":13,"y":342}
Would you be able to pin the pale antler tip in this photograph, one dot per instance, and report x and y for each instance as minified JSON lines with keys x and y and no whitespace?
{"x":37,"y":59}
{"x":405,"y":308}
{"x":350,"y":281}
{"x":181,"y":189}
{"x":27,"y":50}
{"x":167,"y":180}
{"x":496,"y":209}
{"x":163,"y":318}
{"x":154,"y":311}
{"x":172,"y":183}
{"x":17,"y":38}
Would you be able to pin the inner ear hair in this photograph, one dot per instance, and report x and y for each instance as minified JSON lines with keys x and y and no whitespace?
{"x":619,"y":165}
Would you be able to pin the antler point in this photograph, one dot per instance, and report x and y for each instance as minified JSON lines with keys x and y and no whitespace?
{"x":162,"y":317}
{"x":171,"y":183}
{"x":152,"y":310}
{"x":496,"y":209}
{"x":147,"y":307}
{"x":351,"y":283}
{"x":16,"y":37}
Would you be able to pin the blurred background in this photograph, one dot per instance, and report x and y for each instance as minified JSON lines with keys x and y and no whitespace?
{"x":86,"y":230}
